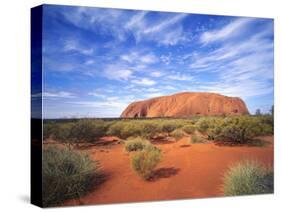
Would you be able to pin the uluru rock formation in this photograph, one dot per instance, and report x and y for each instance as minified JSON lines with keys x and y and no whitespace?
{"x":186,"y":104}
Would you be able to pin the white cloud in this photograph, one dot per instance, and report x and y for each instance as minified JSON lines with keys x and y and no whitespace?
{"x":180,"y":77}
{"x":166,"y":59}
{"x":72,"y":45}
{"x":168,"y":87}
{"x":152,"y":95}
{"x":117,"y":72}
{"x":159,"y":27}
{"x":99,"y":104}
{"x":242,"y":68}
{"x":152,"y":89}
{"x":156,"y":74}
{"x":138,"y":57}
{"x":136,"y":20}
{"x":60,"y":94}
{"x":144,"y":82}
{"x":226,"y":32}
{"x":242,"y":89}
{"x":167,"y":31}
{"x":96,"y":94}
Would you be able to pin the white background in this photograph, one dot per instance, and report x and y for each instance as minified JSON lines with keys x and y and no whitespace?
{"x":15,"y":106}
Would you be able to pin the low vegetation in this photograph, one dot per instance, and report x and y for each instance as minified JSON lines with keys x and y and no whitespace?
{"x":177,"y":134}
{"x":189,"y":129}
{"x":144,"y":162}
{"x":136,"y":144}
{"x":196,"y":139}
{"x":235,"y":129}
{"x":66,"y":174}
{"x":248,"y":177}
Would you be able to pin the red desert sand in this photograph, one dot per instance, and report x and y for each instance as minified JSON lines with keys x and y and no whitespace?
{"x":186,"y":171}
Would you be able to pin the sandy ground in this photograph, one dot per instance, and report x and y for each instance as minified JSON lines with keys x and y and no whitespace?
{"x":186,"y":171}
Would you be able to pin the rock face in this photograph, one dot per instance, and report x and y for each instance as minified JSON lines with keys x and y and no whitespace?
{"x":186,"y":104}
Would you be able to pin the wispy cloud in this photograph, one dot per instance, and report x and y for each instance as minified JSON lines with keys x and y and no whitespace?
{"x":167,"y":31}
{"x":156,"y":74}
{"x":112,"y":57}
{"x":144,"y":82}
{"x":228,"y":31}
{"x":138,"y":57}
{"x":242,"y":68}
{"x":59,"y":94}
{"x":179,"y":76}
{"x":96,"y":94}
{"x":74,"y":46}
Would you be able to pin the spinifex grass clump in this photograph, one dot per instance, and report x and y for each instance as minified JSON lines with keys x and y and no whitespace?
{"x":196,"y":139}
{"x":136,"y":144}
{"x":248,"y":177}
{"x":75,"y":132}
{"x":177,"y":134}
{"x":66,"y":174}
{"x":189,"y":129}
{"x":145,"y":161}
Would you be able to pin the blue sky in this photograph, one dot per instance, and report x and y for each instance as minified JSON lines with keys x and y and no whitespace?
{"x":97,"y":61}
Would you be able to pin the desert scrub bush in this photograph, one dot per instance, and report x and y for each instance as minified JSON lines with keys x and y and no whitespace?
{"x":115,"y":129}
{"x":239,"y":129}
{"x":61,"y":132}
{"x":177,"y":134}
{"x":145,"y":161}
{"x":133,"y":128}
{"x":66,"y":174}
{"x":48,"y":130}
{"x":195,"y":139}
{"x":248,"y":177}
{"x":86,"y":130}
{"x":149,"y":129}
{"x":169,"y":126}
{"x":266,"y":124}
{"x":189,"y":129}
{"x":136,"y":144}
{"x":203,"y":124}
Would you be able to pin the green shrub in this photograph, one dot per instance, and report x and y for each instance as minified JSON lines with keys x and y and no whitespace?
{"x":62,"y":132}
{"x":248,"y":177}
{"x":133,"y":128}
{"x":86,"y":130}
{"x":149,"y":129}
{"x":195,"y":139}
{"x":136,"y":144}
{"x":145,"y":161}
{"x":115,"y":129}
{"x":240,"y":129}
{"x":203,"y":124}
{"x":144,"y":128}
{"x":48,"y":130}
{"x":189,"y":129}
{"x":167,"y":127}
{"x":177,"y":134}
{"x":66,"y":174}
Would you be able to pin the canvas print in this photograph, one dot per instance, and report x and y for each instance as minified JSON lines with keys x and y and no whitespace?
{"x":131,"y":105}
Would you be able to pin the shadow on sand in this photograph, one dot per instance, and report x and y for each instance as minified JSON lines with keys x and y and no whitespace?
{"x":164,"y":173}
{"x":185,"y":145}
{"x":251,"y":143}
